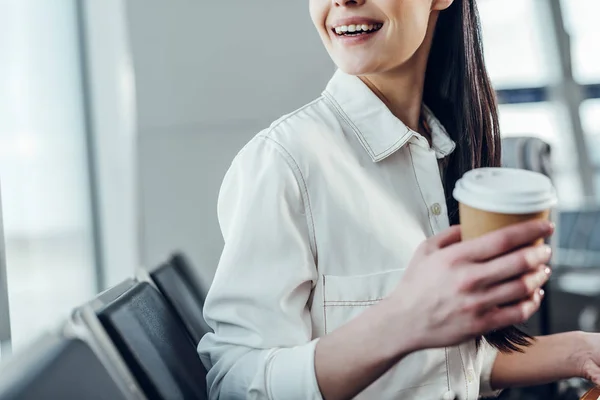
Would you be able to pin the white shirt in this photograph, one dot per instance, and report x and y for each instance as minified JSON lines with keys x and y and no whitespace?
{"x":321,"y":214}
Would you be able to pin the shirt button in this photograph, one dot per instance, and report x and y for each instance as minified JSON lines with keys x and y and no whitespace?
{"x":470,"y":376}
{"x":449,"y":395}
{"x":436,"y":209}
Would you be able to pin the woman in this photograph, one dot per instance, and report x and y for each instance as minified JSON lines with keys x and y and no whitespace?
{"x":341,"y":276}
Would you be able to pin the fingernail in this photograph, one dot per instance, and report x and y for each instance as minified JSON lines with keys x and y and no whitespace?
{"x":538,"y":255}
{"x":545,"y":227}
{"x":536,"y":281}
{"x":542,"y":293}
{"x":529,"y":308}
{"x":542,"y":278}
{"x":548,"y":271}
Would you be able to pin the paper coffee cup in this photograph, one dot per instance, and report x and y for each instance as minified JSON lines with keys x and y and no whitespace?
{"x":593,"y":394}
{"x":493,"y":198}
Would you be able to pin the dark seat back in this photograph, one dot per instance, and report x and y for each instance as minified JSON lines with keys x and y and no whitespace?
{"x":57,"y":368}
{"x":154,"y":344}
{"x":176,"y":283}
{"x":525,"y":152}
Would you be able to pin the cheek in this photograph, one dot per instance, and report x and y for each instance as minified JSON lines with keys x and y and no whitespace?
{"x":318,"y":13}
{"x":412,"y":33}
{"x":409,"y":27}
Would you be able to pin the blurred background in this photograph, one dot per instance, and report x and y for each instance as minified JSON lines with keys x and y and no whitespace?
{"x":119,"y":118}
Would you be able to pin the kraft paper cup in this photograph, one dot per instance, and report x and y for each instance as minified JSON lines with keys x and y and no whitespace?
{"x":593,"y":394}
{"x":493,"y":198}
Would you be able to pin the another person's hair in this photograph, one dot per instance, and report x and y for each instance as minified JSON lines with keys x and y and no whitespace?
{"x":459,"y":92}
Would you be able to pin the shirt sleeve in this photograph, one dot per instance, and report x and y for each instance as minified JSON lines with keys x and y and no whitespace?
{"x":262,"y":345}
{"x":488,"y":357}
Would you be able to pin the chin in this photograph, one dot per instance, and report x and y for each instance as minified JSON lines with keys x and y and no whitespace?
{"x":357,"y":67}
{"x":361,"y":63}
{"x":369,"y":62}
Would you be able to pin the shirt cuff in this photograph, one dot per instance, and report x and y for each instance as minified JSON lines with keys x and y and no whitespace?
{"x":489,"y":358}
{"x":291,"y":374}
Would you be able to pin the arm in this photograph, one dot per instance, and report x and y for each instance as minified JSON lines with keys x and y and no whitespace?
{"x":262,"y":347}
{"x":351,"y":358}
{"x":549,"y":359}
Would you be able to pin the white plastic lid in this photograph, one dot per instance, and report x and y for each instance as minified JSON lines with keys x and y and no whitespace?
{"x":506,"y":191}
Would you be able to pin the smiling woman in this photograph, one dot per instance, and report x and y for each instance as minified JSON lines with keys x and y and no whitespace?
{"x":341,"y":276}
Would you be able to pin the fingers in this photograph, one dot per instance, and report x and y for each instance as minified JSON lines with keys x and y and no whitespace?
{"x":592,"y":373}
{"x":507,"y":267}
{"x":448,"y":237}
{"x":514,"y":290}
{"x":439,"y":241}
{"x":503,"y":317}
{"x":503,"y":241}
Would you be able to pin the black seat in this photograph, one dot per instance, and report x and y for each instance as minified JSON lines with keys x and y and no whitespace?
{"x":526,"y":152}
{"x":154,"y":344}
{"x":175,"y":281}
{"x":57,"y":368}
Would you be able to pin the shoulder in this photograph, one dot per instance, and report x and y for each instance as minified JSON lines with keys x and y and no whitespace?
{"x":275,"y":163}
{"x":297,"y":135}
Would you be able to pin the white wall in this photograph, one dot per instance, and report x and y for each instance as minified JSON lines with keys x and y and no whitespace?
{"x":210,"y":75}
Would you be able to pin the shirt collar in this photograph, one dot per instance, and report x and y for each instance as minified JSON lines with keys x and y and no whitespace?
{"x":378,"y":130}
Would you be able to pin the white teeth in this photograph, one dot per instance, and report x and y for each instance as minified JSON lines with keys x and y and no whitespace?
{"x":356,"y":28}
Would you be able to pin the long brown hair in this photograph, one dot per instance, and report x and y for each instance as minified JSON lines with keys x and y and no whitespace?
{"x":459,"y":92}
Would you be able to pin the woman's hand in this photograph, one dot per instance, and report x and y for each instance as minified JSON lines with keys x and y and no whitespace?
{"x":549,"y":359}
{"x":454,"y":291}
{"x":586,"y":356}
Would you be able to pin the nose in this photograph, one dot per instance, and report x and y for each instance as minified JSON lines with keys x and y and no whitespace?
{"x":348,"y":3}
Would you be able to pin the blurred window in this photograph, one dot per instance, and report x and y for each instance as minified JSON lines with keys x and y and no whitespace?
{"x":43,"y":165}
{"x":581,"y":21}
{"x":514,"y":43}
{"x":522,"y":62}
{"x":530,"y":119}
{"x":590,"y":118}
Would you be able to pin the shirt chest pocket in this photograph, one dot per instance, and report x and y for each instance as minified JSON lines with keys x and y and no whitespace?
{"x":423,"y":374}
{"x":345,"y":297}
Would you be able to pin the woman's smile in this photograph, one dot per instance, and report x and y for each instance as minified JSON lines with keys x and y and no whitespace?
{"x":355,"y":30}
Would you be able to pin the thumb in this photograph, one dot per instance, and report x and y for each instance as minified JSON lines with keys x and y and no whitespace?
{"x":448,"y":237}
{"x":438,"y":242}
{"x":592,"y":373}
